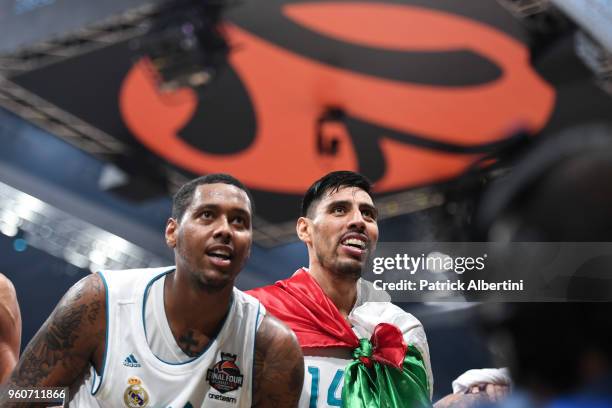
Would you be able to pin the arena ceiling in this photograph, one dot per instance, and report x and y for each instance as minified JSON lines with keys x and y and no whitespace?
{"x":412,"y":93}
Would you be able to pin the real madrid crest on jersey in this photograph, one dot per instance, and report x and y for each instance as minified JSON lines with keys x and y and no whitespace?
{"x":135,"y":395}
{"x":225,"y":375}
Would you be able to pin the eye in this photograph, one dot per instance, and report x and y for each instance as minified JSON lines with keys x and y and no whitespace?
{"x":241,"y":221}
{"x":338,"y":210}
{"x":368,"y":213}
{"x":206,"y":214}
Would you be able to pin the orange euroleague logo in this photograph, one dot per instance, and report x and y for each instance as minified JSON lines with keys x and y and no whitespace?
{"x":288,"y":92}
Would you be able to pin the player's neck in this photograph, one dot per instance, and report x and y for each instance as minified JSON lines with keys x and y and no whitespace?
{"x":190,"y":307}
{"x":341,"y":291}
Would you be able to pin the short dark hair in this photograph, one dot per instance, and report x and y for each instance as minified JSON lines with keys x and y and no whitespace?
{"x":333,"y":182}
{"x":182,"y":198}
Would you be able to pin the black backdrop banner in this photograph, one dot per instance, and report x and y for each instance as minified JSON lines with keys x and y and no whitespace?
{"x":424,"y":89}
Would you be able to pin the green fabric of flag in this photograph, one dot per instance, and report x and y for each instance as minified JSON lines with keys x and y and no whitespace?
{"x":370,"y":384}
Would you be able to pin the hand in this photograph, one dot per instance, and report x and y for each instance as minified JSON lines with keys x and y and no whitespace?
{"x":494,"y":392}
{"x":462,"y":401}
{"x":475,"y":396}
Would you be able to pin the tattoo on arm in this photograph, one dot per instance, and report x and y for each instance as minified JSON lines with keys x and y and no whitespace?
{"x":279,"y":366}
{"x":62,"y":350}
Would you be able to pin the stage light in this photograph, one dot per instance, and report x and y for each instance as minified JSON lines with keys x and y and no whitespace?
{"x":10,"y":230}
{"x":60,"y":234}
{"x":185,"y":43}
{"x":20,"y":245}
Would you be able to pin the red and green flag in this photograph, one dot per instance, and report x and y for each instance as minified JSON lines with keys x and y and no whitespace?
{"x":385,"y":371}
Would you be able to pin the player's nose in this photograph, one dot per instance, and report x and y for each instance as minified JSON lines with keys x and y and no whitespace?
{"x":356,"y":220}
{"x":223,"y":230}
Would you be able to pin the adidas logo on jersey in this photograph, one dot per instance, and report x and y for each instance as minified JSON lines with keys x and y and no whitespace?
{"x":130,"y":361}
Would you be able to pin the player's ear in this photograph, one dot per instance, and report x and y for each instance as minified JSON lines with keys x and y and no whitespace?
{"x":171,"y":230}
{"x":303,"y":229}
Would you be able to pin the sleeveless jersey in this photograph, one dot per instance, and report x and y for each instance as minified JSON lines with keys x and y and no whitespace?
{"x":132,"y":376}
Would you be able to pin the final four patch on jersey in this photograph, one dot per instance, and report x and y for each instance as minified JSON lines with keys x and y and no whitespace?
{"x":135,"y":395}
{"x":225,"y":375}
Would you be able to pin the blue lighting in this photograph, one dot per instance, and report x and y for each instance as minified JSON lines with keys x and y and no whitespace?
{"x":20,"y":244}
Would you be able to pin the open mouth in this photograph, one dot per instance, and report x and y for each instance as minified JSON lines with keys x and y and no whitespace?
{"x":355,"y":243}
{"x":355,"y":246}
{"x":220,"y":257}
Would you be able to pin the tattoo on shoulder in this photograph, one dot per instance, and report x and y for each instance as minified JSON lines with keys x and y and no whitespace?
{"x":95,"y":305}
{"x":279,"y":366}
{"x":62,"y":333}
{"x":61,"y":349}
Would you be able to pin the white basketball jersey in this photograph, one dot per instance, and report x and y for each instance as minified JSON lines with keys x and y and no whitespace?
{"x":323,"y":378}
{"x":133,"y":377}
{"x":324,"y":368}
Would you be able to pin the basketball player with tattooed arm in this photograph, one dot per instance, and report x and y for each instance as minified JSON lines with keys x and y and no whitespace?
{"x":179,"y":336}
{"x":10,"y":328}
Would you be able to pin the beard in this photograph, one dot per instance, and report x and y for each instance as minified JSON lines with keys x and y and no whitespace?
{"x":209,"y":285}
{"x":343,"y":269}
{"x":348,"y":270}
{"x":201,"y":276}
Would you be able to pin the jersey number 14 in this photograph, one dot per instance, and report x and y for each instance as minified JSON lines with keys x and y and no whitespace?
{"x":334,"y":392}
